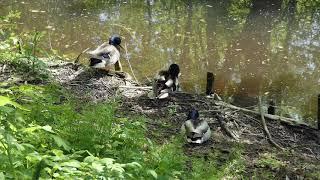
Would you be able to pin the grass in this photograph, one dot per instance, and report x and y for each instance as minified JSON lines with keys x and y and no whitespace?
{"x":71,"y":127}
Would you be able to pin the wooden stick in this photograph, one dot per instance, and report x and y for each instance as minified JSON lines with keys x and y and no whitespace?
{"x":265,"y":128}
{"x":210,"y":81}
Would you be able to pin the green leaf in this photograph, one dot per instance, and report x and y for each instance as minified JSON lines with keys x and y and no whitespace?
{"x":31,"y":129}
{"x":90,"y":159}
{"x":134,"y":165}
{"x":153,"y":173}
{"x":72,"y":163}
{"x":97,"y":166}
{"x":107,"y":161}
{"x":2,"y":177}
{"x":5,"y":100}
{"x":6,"y":109}
{"x":61,"y":142}
{"x":47,"y":128}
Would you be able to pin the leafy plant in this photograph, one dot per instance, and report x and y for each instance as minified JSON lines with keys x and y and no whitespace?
{"x":46,"y":133}
{"x":20,"y":50}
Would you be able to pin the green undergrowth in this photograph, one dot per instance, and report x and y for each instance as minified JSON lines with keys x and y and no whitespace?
{"x":46,"y":133}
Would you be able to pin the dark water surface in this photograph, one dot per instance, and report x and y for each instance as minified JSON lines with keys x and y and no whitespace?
{"x":266,"y":47}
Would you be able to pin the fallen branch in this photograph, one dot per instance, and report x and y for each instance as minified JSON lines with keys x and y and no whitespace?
{"x":225,"y":128}
{"x":265,"y":128}
{"x":269,"y":116}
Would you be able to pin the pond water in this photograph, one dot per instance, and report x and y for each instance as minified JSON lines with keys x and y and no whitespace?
{"x":254,"y":47}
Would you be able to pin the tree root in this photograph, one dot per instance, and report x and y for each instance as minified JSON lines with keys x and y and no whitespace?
{"x":265,"y":128}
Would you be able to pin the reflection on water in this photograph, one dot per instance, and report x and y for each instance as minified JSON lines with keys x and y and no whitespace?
{"x":268,"y":47}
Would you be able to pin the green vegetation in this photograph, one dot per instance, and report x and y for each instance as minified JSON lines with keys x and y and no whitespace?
{"x":49,"y":134}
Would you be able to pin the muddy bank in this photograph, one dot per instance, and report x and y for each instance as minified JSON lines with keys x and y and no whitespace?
{"x":301,"y":144}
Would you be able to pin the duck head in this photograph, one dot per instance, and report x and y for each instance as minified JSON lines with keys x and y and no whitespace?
{"x":115,"y":40}
{"x":174,"y":73}
{"x":174,"y":70}
{"x":193,"y":115}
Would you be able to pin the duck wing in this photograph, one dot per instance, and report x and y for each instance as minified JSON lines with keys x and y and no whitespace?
{"x":94,"y":61}
{"x":107,"y":53}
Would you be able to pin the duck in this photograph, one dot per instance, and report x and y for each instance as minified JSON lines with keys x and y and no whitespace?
{"x":107,"y":54}
{"x":166,"y":81}
{"x":197,"y":130}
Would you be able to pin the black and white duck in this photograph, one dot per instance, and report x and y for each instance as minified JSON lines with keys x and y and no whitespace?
{"x":197,"y":130}
{"x":166,"y":81}
{"x":107,"y":54}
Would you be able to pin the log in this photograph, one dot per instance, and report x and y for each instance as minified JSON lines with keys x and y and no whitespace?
{"x":210,"y":81}
{"x":269,"y":116}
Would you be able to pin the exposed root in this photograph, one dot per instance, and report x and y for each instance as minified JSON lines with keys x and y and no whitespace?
{"x":265,"y":128}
